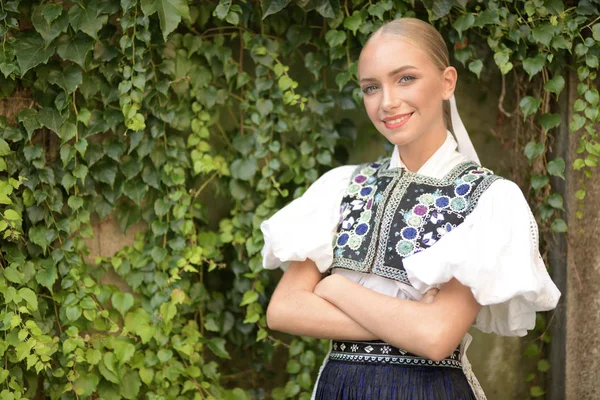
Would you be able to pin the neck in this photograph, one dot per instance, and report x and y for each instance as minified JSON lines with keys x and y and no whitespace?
{"x":415,"y":154}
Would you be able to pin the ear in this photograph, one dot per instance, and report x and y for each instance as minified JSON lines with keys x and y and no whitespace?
{"x":449,"y":76}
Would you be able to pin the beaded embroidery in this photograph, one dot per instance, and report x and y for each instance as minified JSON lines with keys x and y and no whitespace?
{"x":389,"y":214}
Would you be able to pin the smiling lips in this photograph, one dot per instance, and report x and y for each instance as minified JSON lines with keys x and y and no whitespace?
{"x":396,"y":121}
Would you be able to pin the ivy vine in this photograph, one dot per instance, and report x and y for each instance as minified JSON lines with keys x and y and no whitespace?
{"x":196,"y":121}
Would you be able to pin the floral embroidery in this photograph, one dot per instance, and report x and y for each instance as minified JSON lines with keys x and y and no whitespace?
{"x":355,"y":227}
{"x":389,"y":214}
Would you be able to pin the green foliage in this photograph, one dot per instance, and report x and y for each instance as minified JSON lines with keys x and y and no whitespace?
{"x":186,"y":118}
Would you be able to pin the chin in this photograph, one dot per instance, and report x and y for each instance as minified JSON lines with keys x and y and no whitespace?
{"x":397,"y":138}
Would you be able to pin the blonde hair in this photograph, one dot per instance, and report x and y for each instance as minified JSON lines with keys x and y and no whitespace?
{"x":423,"y":36}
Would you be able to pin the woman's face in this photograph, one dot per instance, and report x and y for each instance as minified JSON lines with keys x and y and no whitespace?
{"x":404,"y":92}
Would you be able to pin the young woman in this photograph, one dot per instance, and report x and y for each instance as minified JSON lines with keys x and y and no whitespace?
{"x":390,"y":234}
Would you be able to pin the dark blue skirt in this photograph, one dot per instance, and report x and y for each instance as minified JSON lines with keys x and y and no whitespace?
{"x":348,"y":380}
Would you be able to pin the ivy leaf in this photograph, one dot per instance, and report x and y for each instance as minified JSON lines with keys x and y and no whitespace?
{"x":23,"y":349}
{"x":584,"y":7}
{"x":80,"y":172}
{"x":42,"y":236}
{"x":51,"y":12}
{"x":105,"y":172}
{"x":75,"y":48}
{"x":31,"y":51}
{"x":596,"y":32}
{"x":122,"y":302}
{"x":28,"y":117}
{"x":476,"y":67}
{"x":591,"y":61}
{"x":123,"y":350}
{"x":169,"y":13}
{"x":559,"y":225}
{"x":138,"y":322}
{"x":342,"y":79}
{"x":249,"y":297}
{"x":46,"y":277}
{"x":13,"y":275}
{"x":328,"y":8}
{"x":529,"y":105}
{"x":146,"y":375}
{"x":217,"y":346}
{"x":592,"y":97}
{"x":244,"y":169}
{"x":439,"y":9}
{"x":68,"y":79}
{"x":86,"y":384}
{"x":4,"y":148}
{"x":533,"y":65}
{"x":377,"y":9}
{"x":30,"y":298}
{"x":539,"y":181}
{"x":73,"y":313}
{"x":556,"y":167}
{"x":463,"y":23}
{"x":87,"y":19}
{"x":556,"y":201}
{"x":555,"y":85}
{"x":559,"y":42}
{"x":136,"y":190}
{"x":335,"y":38}
{"x":353,"y":22}
{"x":543,"y":365}
{"x":544,"y":33}
{"x":272,"y":6}
{"x":75,"y":203}
{"x":487,"y":17}
{"x":50,"y":118}
{"x":3,"y":374}
{"x":130,"y":386}
{"x":49,"y":30}
{"x":264,"y":106}
{"x":549,"y":121}
{"x":533,"y":150}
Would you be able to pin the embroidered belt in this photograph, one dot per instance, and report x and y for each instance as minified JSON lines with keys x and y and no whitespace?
{"x":379,"y":352}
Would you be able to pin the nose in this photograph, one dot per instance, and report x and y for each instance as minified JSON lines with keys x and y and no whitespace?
{"x":390,"y":101}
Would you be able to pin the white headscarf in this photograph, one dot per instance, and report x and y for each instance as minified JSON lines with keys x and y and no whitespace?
{"x":465,"y":146}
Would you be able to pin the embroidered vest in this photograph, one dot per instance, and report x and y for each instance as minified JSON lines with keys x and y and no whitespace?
{"x":387,"y":215}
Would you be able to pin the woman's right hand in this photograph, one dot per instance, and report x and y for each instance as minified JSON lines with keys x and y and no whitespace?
{"x":429,"y":296}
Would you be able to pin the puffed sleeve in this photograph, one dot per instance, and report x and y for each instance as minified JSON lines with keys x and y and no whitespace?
{"x":304,"y":229}
{"x":495,"y":253}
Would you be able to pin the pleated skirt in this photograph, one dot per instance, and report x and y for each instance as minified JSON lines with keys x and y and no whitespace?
{"x":342,"y":380}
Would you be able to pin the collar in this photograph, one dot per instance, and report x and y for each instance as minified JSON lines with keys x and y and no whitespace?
{"x":439,"y":164}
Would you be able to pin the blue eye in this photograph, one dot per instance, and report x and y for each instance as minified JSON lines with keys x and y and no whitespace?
{"x":407,"y":79}
{"x":369,"y":89}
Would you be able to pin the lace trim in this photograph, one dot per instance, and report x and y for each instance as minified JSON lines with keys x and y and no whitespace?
{"x":468,"y":371}
{"x":314,"y":392}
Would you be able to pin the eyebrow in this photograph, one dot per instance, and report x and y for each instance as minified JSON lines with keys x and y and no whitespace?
{"x":394,"y":72}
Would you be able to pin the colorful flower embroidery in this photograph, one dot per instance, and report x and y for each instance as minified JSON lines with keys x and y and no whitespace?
{"x":389,"y":214}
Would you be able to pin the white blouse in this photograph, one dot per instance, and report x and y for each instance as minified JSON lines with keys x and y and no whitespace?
{"x":494,"y":251}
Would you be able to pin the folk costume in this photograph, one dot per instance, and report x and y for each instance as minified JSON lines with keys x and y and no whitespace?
{"x":401,"y":233}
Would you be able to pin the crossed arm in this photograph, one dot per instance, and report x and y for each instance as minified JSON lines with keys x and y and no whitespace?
{"x":338,"y":308}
